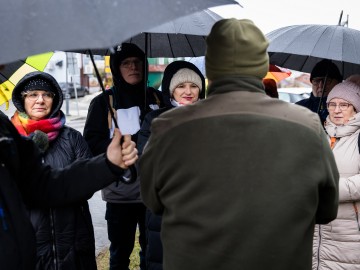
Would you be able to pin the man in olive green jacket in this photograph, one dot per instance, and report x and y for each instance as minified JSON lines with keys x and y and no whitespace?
{"x":240,"y":178}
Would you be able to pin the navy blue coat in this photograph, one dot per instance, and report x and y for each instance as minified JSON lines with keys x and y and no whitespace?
{"x":312,"y":103}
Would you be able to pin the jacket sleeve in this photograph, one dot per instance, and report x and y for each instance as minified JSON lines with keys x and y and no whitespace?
{"x":42,"y":186}
{"x":329,"y":187}
{"x":148,"y":173}
{"x":349,"y":189}
{"x":96,"y":129}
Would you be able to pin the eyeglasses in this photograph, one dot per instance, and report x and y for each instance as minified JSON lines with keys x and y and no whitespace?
{"x":129,"y":63}
{"x":343,"y":106}
{"x":317,"y":81}
{"x":33,"y":96}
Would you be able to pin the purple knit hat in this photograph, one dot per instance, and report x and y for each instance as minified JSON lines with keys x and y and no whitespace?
{"x":347,"y":91}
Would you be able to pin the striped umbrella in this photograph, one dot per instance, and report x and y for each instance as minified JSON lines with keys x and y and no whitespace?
{"x":11,"y":74}
{"x":277,"y":73}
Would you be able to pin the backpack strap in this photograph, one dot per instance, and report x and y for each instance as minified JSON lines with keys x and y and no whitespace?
{"x":359,"y":142}
{"x":111,"y":100}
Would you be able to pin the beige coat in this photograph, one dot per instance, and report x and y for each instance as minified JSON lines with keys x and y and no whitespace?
{"x":337,"y":244}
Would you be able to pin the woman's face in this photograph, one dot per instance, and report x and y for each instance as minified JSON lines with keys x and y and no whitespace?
{"x":340,"y":111}
{"x":38,"y":104}
{"x":131,"y":70}
{"x":186,"y":93}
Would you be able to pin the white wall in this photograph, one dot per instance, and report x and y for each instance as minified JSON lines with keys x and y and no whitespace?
{"x":62,"y":69}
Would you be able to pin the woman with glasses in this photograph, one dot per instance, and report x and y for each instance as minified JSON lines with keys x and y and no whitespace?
{"x":337,"y":244}
{"x":64,"y":235}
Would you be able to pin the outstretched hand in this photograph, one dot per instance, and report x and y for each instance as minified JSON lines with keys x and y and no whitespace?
{"x":122,"y":155}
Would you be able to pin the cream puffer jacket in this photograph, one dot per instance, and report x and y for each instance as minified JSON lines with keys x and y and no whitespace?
{"x":337,"y":244}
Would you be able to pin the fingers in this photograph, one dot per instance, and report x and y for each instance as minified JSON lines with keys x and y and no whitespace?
{"x":123,"y":155}
{"x":129,"y":151}
{"x":127,"y":141}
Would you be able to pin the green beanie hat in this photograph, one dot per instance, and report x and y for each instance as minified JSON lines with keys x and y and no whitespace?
{"x":236,"y":47}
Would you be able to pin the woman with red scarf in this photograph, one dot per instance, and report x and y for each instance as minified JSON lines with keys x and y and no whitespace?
{"x":64,"y":235}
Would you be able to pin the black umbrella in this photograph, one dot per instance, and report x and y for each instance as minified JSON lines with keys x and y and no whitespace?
{"x":300,"y":47}
{"x":37,"y":26}
{"x":182,"y":37}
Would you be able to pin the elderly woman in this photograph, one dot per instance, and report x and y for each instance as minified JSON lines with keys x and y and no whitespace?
{"x":64,"y":235}
{"x":182,"y":84}
{"x":337,"y":244}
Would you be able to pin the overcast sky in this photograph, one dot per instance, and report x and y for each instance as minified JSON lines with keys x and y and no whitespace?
{"x":269,"y":15}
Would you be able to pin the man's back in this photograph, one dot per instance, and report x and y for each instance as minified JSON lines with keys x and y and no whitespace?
{"x":242,"y":179}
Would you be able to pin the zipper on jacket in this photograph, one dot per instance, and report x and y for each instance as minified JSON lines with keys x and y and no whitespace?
{"x":318,"y":249}
{"x":356,"y":215}
{"x":52,"y":225}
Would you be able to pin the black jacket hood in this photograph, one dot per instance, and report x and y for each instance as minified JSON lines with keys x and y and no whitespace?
{"x":169,"y":72}
{"x":19,"y":101}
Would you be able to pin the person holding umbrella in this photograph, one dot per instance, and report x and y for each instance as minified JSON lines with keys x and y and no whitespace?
{"x":337,"y":244}
{"x":324,"y":76}
{"x":235,"y":176}
{"x":27,"y":181}
{"x":182,"y":84}
{"x":131,"y":100}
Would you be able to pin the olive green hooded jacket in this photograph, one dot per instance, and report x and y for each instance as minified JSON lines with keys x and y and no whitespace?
{"x":240,"y":179}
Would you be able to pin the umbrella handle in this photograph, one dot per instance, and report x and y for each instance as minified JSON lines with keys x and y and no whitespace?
{"x":132,"y":168}
{"x":133,"y":171}
{"x":322,"y":96}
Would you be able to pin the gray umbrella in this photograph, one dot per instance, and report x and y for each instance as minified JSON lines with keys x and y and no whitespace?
{"x":36,"y":26}
{"x":182,"y":37}
{"x":300,"y":47}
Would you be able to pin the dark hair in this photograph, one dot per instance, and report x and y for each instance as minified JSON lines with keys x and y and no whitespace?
{"x":271,"y":88}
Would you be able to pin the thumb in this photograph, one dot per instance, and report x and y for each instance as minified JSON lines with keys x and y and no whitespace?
{"x":127,"y":140}
{"x":116,"y":137}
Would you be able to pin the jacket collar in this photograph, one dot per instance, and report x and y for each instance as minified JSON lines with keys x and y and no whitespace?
{"x":236,"y":83}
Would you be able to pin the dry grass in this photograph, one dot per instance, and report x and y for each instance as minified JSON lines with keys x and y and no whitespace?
{"x":102,"y":260}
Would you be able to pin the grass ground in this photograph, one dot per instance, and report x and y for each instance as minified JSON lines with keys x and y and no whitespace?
{"x":102,"y":260}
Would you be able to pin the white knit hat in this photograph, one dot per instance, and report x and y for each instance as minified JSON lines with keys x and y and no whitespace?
{"x":184,"y":75}
{"x":347,"y":91}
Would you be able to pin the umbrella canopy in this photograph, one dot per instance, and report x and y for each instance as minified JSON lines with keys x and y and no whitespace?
{"x":10,"y":74}
{"x":277,"y":73}
{"x":300,"y":47}
{"x":182,"y":37}
{"x":42,"y":26}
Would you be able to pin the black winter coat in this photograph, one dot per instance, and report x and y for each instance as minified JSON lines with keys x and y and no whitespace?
{"x":97,"y":135}
{"x":65,"y":235}
{"x":312,"y":103}
{"x":24,"y":179}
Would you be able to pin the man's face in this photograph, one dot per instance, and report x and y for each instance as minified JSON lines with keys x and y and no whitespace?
{"x":318,"y":85}
{"x":131,"y":70}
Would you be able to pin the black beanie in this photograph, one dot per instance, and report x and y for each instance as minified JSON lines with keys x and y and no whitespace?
{"x":326,"y":67}
{"x":39,"y":84}
{"x":123,"y":51}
